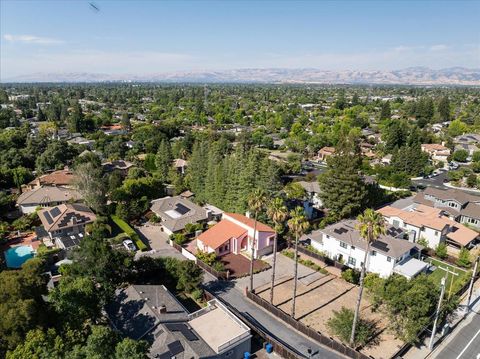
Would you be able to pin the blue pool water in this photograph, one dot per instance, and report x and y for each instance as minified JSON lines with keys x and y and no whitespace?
{"x":16,"y":256}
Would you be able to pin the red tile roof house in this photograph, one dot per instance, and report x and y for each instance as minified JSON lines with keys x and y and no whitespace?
{"x":234,"y":234}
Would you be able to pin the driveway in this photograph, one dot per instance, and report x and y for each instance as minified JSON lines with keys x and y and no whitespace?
{"x":157,"y":240}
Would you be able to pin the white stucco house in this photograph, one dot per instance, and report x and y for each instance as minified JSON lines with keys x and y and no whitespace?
{"x":429,"y":223}
{"x":390,"y":253}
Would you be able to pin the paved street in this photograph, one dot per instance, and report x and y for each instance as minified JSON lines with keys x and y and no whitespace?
{"x":438,"y":182}
{"x":267,"y":322}
{"x":465,"y":344}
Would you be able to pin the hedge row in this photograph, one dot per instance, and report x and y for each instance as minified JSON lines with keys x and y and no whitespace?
{"x":129,"y":231}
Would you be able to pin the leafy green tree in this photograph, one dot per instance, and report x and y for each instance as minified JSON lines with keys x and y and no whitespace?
{"x":39,"y":344}
{"x":464,"y":258}
{"x":21,"y":304}
{"x":89,"y":183}
{"x":76,"y":300}
{"x":343,"y":189}
{"x":56,"y":156}
{"x":189,"y":276}
{"x":131,"y":349}
{"x":441,"y":251}
{"x":472,"y":180}
{"x":457,"y":128}
{"x":460,"y":155}
{"x":75,"y":119}
{"x":340,"y":325}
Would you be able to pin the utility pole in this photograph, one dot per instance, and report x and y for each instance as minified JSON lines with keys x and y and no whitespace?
{"x":437,"y":313}
{"x":470,"y":288}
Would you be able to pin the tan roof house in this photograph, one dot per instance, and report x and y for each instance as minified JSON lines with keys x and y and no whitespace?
{"x":436,"y":151}
{"x":46,"y":196}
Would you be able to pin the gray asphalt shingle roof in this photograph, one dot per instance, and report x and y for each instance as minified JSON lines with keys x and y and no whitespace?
{"x":177,"y":211}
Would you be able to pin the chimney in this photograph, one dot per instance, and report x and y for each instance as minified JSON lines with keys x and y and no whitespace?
{"x":247,"y":214}
{"x":74,"y":220}
{"x":162,"y":309}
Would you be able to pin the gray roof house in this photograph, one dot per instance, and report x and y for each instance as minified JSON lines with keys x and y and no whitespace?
{"x":175,"y":212}
{"x":389,"y":254}
{"x":46,"y":196}
{"x":460,"y":206}
{"x":152,"y":313}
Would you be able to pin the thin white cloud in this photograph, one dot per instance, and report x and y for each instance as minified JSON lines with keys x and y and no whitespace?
{"x":31,"y":39}
{"x":439,"y":47}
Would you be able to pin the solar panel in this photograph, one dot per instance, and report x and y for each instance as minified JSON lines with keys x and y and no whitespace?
{"x":175,"y":348}
{"x":182,"y":328}
{"x":381,"y":245}
{"x":180,"y":208}
{"x":340,"y":230}
{"x":55,"y":212}
{"x":48,"y":218}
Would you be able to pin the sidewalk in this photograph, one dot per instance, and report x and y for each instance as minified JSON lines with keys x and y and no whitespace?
{"x":460,"y":319}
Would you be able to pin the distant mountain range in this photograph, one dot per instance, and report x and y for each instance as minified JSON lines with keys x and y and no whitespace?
{"x":408,"y":76}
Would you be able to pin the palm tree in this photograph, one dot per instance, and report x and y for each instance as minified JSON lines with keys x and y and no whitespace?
{"x":371,"y":226}
{"x":256,"y":202}
{"x":278,"y":213}
{"x":298,"y":224}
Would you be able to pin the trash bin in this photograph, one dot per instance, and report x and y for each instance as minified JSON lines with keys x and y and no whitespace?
{"x":247,"y":355}
{"x":269,"y":348}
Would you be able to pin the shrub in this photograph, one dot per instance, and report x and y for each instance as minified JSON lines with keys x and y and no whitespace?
{"x":464,"y":259}
{"x":179,"y":238}
{"x":207,"y":258}
{"x":351,"y":276}
{"x":460,"y":155}
{"x":218,"y":266}
{"x":441,"y":251}
{"x":423,"y":242}
{"x":130,"y":232}
{"x":340,"y":325}
{"x":197,"y":294}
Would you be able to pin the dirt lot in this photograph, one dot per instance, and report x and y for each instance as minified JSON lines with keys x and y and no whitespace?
{"x":316,"y":301}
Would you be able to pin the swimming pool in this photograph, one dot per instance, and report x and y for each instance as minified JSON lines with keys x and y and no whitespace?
{"x":16,"y":256}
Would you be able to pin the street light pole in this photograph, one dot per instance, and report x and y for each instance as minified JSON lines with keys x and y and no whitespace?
{"x":437,"y":313}
{"x":470,"y":288}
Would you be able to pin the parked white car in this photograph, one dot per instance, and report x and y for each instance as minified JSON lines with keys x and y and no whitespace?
{"x":129,"y":245}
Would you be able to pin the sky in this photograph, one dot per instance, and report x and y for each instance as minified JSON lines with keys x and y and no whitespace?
{"x":141,"y":37}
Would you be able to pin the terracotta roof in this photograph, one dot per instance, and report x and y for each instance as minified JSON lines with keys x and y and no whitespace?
{"x":421,"y":216}
{"x":220,"y":233}
{"x":327,"y":150}
{"x":250,"y":222}
{"x":434,"y":147}
{"x":57,"y":178}
{"x":433,"y":218}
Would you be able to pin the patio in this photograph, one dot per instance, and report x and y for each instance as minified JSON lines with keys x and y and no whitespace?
{"x":239,"y":266}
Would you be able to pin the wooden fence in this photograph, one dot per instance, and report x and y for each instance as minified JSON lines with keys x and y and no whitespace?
{"x":312,"y":333}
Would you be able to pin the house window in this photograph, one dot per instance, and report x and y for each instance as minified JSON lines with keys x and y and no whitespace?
{"x":389,"y":259}
{"x":229,"y":354}
{"x":396,"y":223}
{"x":343,"y":245}
{"x":352,"y":261}
{"x":436,"y":233}
{"x":374,"y":253}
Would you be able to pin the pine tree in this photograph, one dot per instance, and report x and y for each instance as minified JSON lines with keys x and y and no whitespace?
{"x":385,"y":112}
{"x":444,"y":109}
{"x":163,"y":160}
{"x":343,"y":189}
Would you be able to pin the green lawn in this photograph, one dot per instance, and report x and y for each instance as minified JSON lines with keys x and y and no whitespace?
{"x":439,"y":273}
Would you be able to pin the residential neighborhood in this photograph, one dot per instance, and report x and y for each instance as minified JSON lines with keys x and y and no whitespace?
{"x":239,"y":180}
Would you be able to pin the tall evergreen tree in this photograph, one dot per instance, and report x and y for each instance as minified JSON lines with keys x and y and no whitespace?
{"x":163,"y":160}
{"x":444,"y":109}
{"x":385,"y":112}
{"x":343,"y":189}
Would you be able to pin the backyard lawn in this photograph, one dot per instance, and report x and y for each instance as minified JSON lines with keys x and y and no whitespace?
{"x":454,"y":273}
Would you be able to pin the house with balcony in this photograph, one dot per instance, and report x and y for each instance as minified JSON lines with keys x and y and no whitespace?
{"x":431,"y":224}
{"x":389,"y":254}
{"x":460,"y":206}
{"x":234,"y":234}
